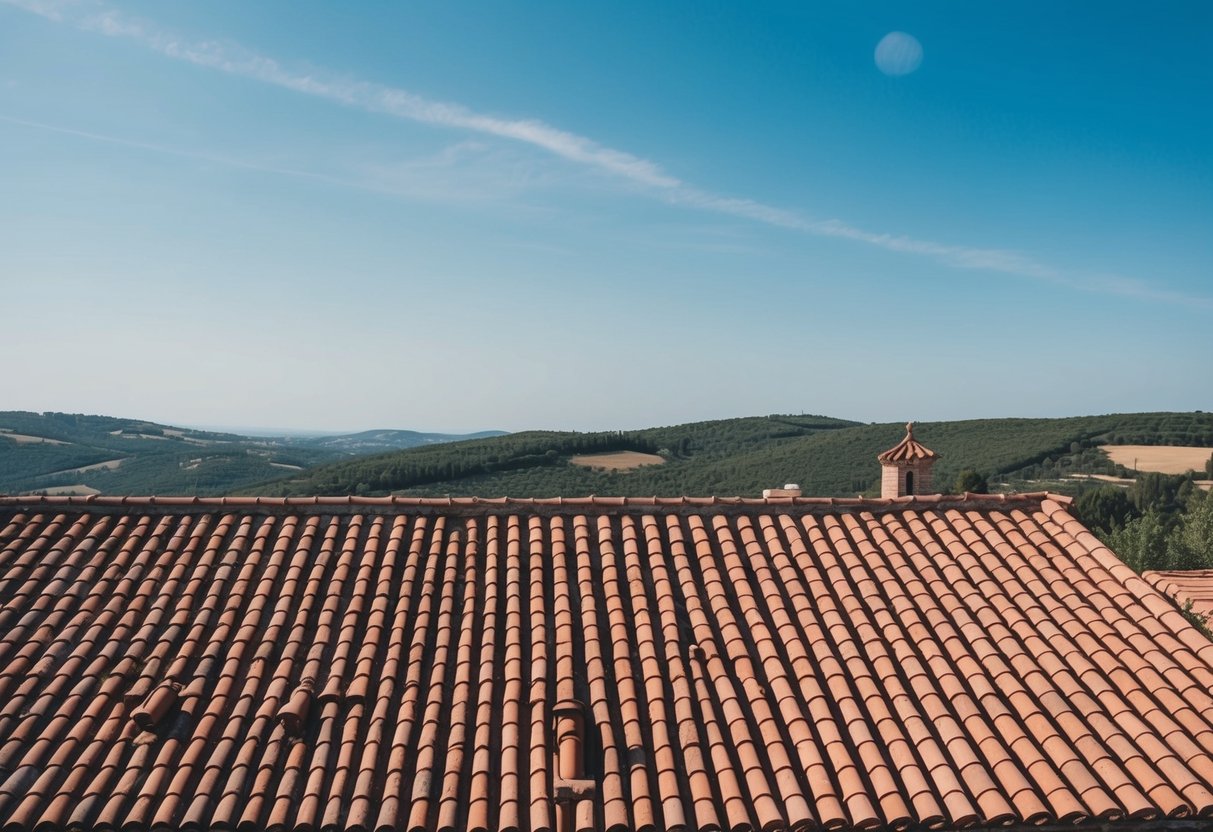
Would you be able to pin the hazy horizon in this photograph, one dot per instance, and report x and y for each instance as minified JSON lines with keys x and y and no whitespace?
{"x":256,"y":431}
{"x":604,"y":216}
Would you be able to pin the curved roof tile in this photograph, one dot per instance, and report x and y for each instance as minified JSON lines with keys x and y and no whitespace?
{"x":1195,"y":585}
{"x":593,"y":663}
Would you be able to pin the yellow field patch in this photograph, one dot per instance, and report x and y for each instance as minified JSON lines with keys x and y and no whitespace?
{"x":109,"y":465}
{"x":1165,"y":459}
{"x":617,"y":460}
{"x":26,"y":439}
{"x":1102,"y":478}
{"x":68,"y":490}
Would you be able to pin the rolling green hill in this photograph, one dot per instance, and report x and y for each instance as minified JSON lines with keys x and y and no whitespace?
{"x":75,"y":453}
{"x":743,"y":456}
{"x":63,"y":453}
{"x":539,"y":460}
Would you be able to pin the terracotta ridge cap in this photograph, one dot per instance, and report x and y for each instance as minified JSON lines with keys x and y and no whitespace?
{"x":561,"y":502}
{"x":1191,"y":573}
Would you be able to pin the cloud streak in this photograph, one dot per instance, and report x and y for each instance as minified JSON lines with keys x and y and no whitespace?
{"x":643,"y":174}
{"x":418,"y":179}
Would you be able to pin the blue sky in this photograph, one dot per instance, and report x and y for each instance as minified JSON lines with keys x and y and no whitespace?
{"x":603,"y":215}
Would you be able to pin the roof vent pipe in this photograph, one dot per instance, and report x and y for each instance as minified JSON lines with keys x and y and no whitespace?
{"x":573,"y":792}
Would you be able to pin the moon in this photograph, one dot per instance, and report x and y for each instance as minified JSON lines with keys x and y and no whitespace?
{"x":898,"y":54}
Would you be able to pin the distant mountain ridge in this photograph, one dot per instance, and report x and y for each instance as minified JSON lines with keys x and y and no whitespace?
{"x":370,"y":441}
{"x":79,"y":453}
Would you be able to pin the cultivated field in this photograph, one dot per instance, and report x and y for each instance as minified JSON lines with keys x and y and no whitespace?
{"x":26,"y":439}
{"x":1126,"y":481}
{"x":69,"y":490}
{"x":1207,"y":485}
{"x":617,"y":461}
{"x":109,"y":465}
{"x":1165,"y":459}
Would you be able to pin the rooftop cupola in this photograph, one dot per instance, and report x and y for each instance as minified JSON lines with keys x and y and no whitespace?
{"x":906,"y":467}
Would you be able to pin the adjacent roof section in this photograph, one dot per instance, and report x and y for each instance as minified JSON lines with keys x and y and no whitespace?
{"x":590,"y":664}
{"x":1195,"y":585}
{"x":908,"y":449}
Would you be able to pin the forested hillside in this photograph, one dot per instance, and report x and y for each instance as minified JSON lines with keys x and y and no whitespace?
{"x":538,"y":461}
{"x":743,"y":456}
{"x":826,"y":456}
{"x":82,"y":454}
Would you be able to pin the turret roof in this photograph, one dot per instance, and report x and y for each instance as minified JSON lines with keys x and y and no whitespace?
{"x":908,"y":449}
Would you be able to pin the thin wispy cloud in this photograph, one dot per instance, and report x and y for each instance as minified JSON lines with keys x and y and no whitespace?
{"x":361,"y":184}
{"x":431,"y":178}
{"x":643,"y":174}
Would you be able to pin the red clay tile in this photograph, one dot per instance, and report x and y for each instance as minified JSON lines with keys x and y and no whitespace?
{"x":1192,"y":585}
{"x":589,"y":663}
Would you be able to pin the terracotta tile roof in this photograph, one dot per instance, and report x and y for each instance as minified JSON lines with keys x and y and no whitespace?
{"x":1195,"y":585}
{"x":908,"y":449}
{"x":599,"y":663}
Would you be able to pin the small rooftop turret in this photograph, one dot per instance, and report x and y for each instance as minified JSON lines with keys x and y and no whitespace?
{"x":906,"y":467}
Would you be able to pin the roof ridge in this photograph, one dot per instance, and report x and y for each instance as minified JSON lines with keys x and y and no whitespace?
{"x":472,"y":501}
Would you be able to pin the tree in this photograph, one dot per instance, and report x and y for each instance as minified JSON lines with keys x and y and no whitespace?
{"x":1158,"y":492}
{"x":972,"y":482}
{"x":1141,"y":543}
{"x":1154,"y":541}
{"x":1191,"y":544}
{"x":1104,"y":509}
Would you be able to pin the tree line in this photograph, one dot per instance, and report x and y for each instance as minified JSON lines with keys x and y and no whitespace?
{"x":1159,"y":522}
